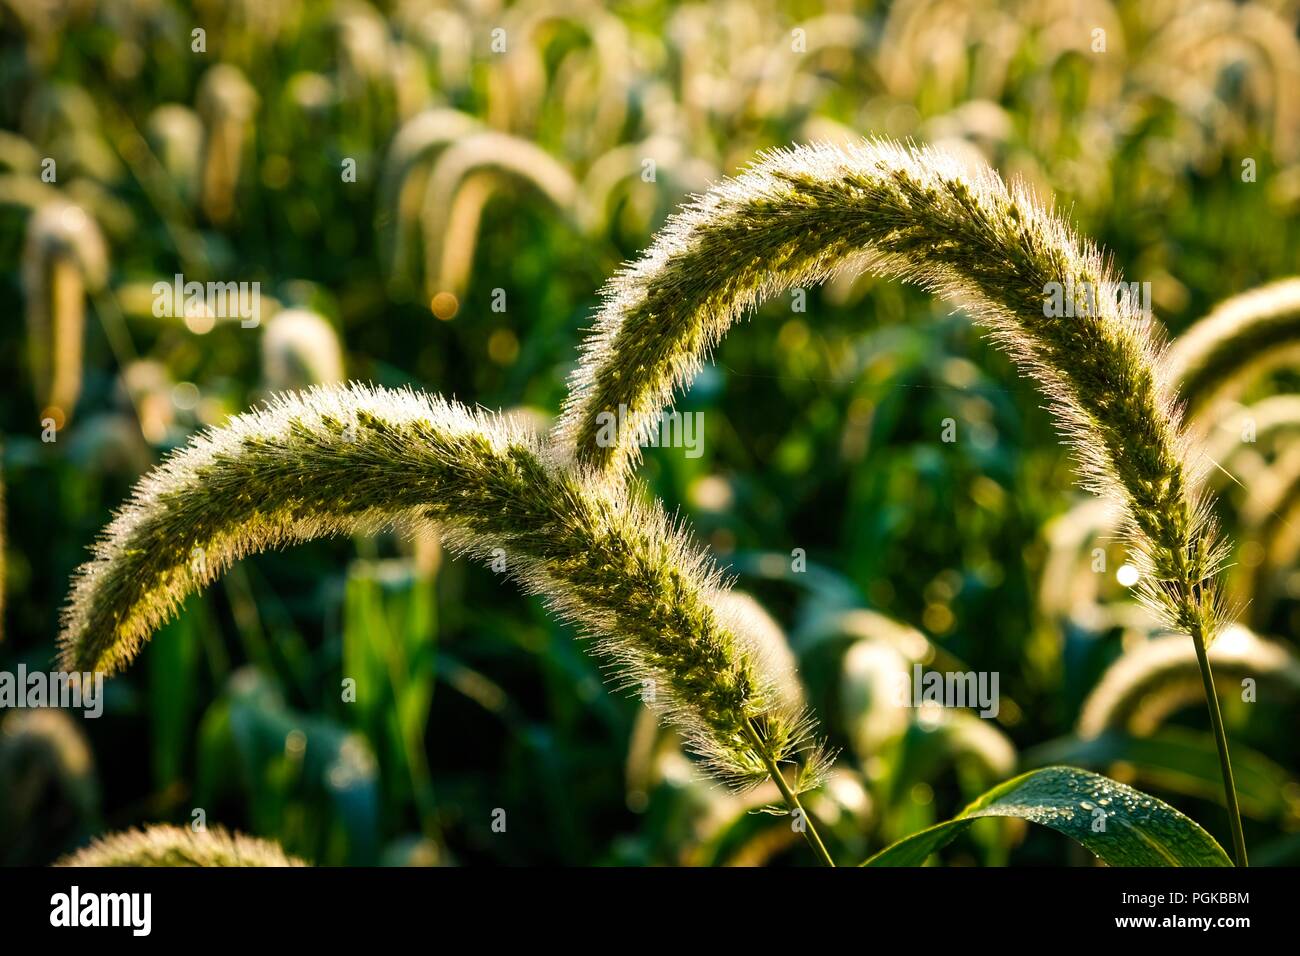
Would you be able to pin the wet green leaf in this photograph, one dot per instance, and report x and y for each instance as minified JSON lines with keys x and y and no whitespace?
{"x":1122,"y":826}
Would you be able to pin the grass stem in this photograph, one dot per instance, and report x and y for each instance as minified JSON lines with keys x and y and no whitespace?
{"x":791,"y":798}
{"x":1221,"y":741}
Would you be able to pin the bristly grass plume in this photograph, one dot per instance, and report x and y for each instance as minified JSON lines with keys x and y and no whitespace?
{"x":170,"y":846}
{"x":450,"y":222}
{"x":801,"y":214}
{"x":64,"y":259}
{"x":1248,"y":333}
{"x":353,"y":460}
{"x":342,"y":460}
{"x":1155,"y":677}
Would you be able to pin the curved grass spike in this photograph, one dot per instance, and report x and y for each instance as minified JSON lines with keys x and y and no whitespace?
{"x":1146,"y":684}
{"x":300,"y":348}
{"x":507,"y":158}
{"x":48,"y":784}
{"x":349,"y":460}
{"x":1268,"y":523}
{"x":175,"y":133}
{"x":1070,"y":588}
{"x":179,"y":846}
{"x":618,"y":172}
{"x":1242,"y":336}
{"x":521,"y":84}
{"x":418,"y":143}
{"x":64,"y":259}
{"x":227,"y":102}
{"x":799,"y":215}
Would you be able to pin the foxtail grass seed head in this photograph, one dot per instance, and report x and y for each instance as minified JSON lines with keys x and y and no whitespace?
{"x":418,"y":143}
{"x":176,"y":134}
{"x":510,"y":159}
{"x":227,"y":102}
{"x":349,"y":460}
{"x":300,"y":349}
{"x":623,"y":170}
{"x":43,"y":743}
{"x":1250,"y":427}
{"x":801,"y":214}
{"x":365,"y":53}
{"x":179,"y":846}
{"x":1243,"y":336}
{"x":64,"y":258}
{"x":1147,"y":683}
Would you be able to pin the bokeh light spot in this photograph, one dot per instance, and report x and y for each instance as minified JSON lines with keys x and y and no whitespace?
{"x":445,"y":306}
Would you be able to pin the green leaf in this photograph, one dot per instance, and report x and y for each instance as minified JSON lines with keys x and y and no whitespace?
{"x":305,"y":778}
{"x":1177,"y":760}
{"x":173,"y":699}
{"x":1122,"y":826}
{"x":390,"y":653}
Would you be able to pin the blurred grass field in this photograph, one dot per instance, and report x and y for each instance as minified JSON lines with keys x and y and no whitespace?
{"x":442,"y":189}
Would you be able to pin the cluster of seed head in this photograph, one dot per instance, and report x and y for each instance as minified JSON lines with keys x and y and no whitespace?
{"x":170,"y":846}
{"x":800,"y":215}
{"x":1255,"y":329}
{"x":349,"y":460}
{"x":1158,"y":676}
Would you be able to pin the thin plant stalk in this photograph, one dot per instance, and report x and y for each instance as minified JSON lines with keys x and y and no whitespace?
{"x":810,"y":833}
{"x":1221,"y":743}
